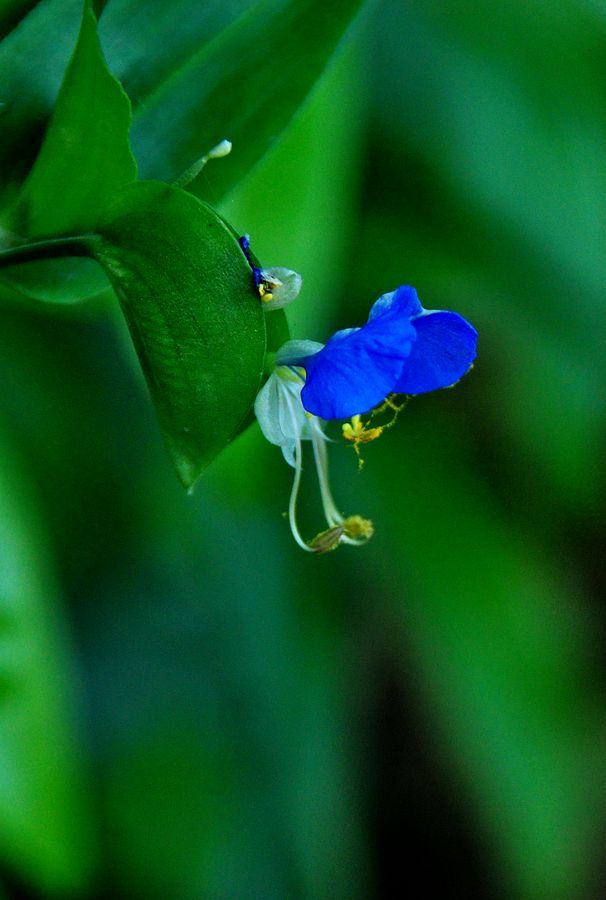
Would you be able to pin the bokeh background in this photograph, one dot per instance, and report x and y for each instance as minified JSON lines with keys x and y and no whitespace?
{"x":237,"y":719}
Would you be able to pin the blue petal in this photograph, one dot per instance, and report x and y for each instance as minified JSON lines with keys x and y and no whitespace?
{"x":403,"y":302}
{"x":444,"y":350}
{"x":357,"y":368}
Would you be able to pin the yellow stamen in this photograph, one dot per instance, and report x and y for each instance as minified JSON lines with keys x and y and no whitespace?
{"x":359,"y":433}
{"x":266,"y":288}
{"x":390,"y":403}
{"x":352,"y":530}
{"x":358,"y":528}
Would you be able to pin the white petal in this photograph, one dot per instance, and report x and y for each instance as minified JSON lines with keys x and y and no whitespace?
{"x":295,"y":350}
{"x":293,"y":418}
{"x":280,"y":413}
{"x":283,"y":285}
{"x":288,"y":451}
{"x":267,"y":410}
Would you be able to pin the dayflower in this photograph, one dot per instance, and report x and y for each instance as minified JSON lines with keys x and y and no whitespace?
{"x":284,"y":422}
{"x":402,"y":349}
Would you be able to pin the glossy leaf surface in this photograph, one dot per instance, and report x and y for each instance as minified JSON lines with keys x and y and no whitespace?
{"x":198,"y":327}
{"x":11,"y":12}
{"x":245,"y":85}
{"x":86,"y":155}
{"x":237,"y":70}
{"x":33,"y":58}
{"x":84,"y":158}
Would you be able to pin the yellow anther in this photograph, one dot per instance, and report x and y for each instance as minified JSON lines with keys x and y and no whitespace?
{"x":358,"y":528}
{"x":358,"y":432}
{"x":362,"y":435}
{"x":266,"y":288}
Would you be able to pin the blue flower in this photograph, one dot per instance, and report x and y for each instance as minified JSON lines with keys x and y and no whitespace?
{"x":402,"y":349}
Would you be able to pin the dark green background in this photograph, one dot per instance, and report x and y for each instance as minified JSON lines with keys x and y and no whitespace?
{"x":248,"y":721}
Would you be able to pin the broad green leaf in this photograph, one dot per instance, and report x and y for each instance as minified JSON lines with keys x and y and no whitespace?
{"x":44,"y":828}
{"x":150,"y":41}
{"x":234,"y":73}
{"x":187,"y":295}
{"x":276,"y":325}
{"x":195,"y":77}
{"x":245,"y":85}
{"x":11,"y":12}
{"x":32,"y":62}
{"x":62,"y":281}
{"x":85,"y":156}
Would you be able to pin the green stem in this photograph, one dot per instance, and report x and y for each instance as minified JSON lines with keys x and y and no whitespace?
{"x":188,"y":176}
{"x":78,"y":245}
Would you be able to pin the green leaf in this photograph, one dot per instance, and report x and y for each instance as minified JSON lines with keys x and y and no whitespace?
{"x":32,"y":62}
{"x":150,"y":41}
{"x":62,"y":281}
{"x":85,"y":156}
{"x":44,"y":827}
{"x":11,"y":12}
{"x":236,"y":71}
{"x":187,"y":295}
{"x":244,"y":85}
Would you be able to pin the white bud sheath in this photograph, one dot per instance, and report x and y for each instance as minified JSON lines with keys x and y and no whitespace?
{"x":280,"y":287}
{"x":223,"y":148}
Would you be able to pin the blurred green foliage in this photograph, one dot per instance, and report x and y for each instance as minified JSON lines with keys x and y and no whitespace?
{"x":249,"y":722}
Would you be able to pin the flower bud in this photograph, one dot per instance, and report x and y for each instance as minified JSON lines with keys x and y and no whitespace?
{"x":223,"y":148}
{"x":278,"y":287}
